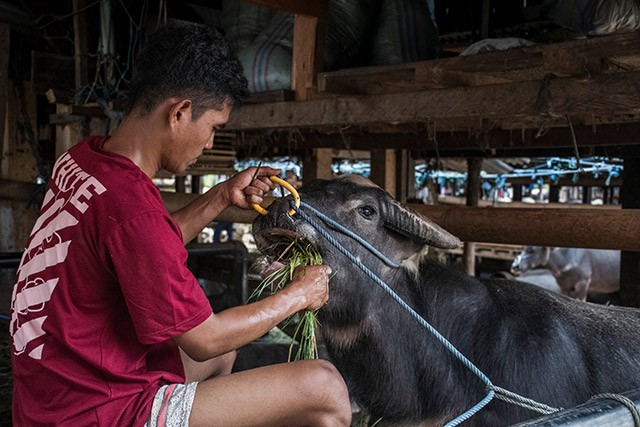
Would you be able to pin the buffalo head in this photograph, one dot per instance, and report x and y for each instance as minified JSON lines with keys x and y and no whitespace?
{"x":365,"y":209}
{"x":530,"y":258}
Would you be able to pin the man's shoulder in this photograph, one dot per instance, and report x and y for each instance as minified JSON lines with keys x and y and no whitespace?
{"x":103,"y":184}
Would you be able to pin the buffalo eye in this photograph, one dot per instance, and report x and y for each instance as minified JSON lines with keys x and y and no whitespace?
{"x":367,"y":212}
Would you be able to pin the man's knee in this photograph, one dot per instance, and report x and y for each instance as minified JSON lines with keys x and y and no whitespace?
{"x":327,"y":373}
{"x":334,"y":394}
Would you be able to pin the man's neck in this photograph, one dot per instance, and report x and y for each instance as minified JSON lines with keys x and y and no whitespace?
{"x":137,"y":139}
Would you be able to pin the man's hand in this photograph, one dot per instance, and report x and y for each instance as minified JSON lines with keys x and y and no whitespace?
{"x":242,"y":190}
{"x":313,"y":280}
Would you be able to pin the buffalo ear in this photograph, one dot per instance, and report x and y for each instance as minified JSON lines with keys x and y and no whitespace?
{"x":403,"y":220}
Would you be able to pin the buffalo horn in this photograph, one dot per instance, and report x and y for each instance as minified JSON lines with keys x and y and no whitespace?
{"x":418,"y":228}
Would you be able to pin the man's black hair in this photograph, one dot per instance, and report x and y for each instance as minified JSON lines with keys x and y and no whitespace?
{"x":187,"y":60}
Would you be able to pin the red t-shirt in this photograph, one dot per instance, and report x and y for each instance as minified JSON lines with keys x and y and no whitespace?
{"x":101,"y":288}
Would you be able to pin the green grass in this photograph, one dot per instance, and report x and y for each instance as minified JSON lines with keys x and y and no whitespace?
{"x":299,"y":253}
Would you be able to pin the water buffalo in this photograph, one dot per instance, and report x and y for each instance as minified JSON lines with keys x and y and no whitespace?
{"x":577,"y":271}
{"x":539,"y":344}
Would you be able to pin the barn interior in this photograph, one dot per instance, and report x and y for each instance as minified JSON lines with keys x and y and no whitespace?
{"x":509,"y":123}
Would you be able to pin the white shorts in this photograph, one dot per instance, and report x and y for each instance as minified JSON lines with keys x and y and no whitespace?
{"x":172,"y":405}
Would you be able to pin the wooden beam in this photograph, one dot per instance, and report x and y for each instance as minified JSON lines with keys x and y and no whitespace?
{"x":598,"y":228}
{"x":278,"y":95}
{"x":5,"y":34}
{"x":311,"y":8}
{"x":601,"y":96}
{"x":580,"y":228}
{"x":451,"y":142}
{"x":587,"y":57}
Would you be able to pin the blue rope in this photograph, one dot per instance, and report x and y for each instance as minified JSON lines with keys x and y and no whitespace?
{"x":478,"y":406}
{"x":350,"y":234}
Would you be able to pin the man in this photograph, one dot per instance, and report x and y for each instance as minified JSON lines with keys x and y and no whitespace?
{"x":108,"y":325}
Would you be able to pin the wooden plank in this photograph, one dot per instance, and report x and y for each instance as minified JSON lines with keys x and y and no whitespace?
{"x":279,"y":95}
{"x":587,"y":57}
{"x":50,"y":70}
{"x":312,"y":8}
{"x":5,"y":34}
{"x":448,"y":143}
{"x":580,"y":228}
{"x":305,"y":62}
{"x":604,"y":95}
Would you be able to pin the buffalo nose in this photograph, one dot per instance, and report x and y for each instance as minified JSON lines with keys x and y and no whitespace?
{"x":281,"y":207}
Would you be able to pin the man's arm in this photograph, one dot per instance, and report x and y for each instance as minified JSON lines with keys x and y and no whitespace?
{"x":237,"y":326}
{"x":240,"y":190}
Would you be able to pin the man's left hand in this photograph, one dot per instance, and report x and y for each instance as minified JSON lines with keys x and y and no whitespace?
{"x":243,"y":189}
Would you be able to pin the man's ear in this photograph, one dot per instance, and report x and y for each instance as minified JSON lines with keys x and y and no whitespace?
{"x":179,"y":111}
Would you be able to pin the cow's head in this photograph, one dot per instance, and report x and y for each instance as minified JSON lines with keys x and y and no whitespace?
{"x":531,"y":257}
{"x":365,"y":209}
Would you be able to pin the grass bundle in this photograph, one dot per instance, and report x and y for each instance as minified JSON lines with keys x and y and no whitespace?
{"x":300,"y":253}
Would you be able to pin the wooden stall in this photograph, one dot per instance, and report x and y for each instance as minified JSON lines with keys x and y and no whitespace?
{"x":574,"y":98}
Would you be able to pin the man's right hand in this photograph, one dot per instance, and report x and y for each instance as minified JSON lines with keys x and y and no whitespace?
{"x":313,"y":280}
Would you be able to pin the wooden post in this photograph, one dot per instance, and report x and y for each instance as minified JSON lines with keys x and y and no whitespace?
{"x":630,"y":261}
{"x":383,"y":169}
{"x":180,"y":184}
{"x":554,"y":193}
{"x":586,"y":195}
{"x":317,"y":164}
{"x":308,"y":51}
{"x":195,"y":184}
{"x":474,"y":167}
{"x":517,"y":192}
{"x":486,"y":14}
{"x":80,"y":43}
{"x":308,"y":42}
{"x":5,"y":33}
{"x":404,"y":175}
{"x":67,"y":134}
